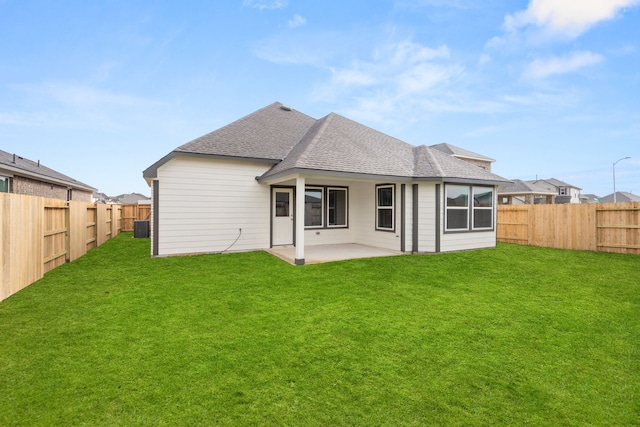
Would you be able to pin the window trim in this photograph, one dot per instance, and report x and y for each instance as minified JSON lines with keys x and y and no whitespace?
{"x":325,"y":206}
{"x":485,"y":208}
{"x":392,"y":208}
{"x":346,"y":206}
{"x":322,"y":205}
{"x":471,"y":188}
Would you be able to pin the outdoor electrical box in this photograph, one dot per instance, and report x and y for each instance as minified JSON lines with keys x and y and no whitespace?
{"x":140,"y":229}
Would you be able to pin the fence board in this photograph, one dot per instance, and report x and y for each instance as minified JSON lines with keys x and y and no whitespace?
{"x":611,"y":227}
{"x":38,"y":234}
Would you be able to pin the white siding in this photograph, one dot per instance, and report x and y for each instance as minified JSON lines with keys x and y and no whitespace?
{"x":427,"y":217}
{"x":363,"y":208}
{"x":459,"y":241}
{"x":204,"y":203}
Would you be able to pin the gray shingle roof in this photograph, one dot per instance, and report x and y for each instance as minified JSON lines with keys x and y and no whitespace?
{"x":554,"y":182}
{"x":621,"y":196}
{"x":452,"y":150}
{"x":296,"y":142}
{"x":268,"y":133}
{"x":21,"y":165}
{"x":522,"y":187}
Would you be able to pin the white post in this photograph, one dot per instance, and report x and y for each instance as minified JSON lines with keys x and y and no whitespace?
{"x":300,"y":198}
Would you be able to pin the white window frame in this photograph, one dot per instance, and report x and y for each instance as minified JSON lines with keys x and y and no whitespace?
{"x":461,"y":208}
{"x":485,"y":208}
{"x":322,"y":206}
{"x":392,"y":207}
{"x":345,"y":190}
{"x":470,"y":208}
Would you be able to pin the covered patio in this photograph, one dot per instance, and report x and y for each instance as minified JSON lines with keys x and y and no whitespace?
{"x":326,"y":253}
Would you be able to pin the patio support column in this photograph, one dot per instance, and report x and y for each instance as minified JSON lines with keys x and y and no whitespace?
{"x":300,"y":198}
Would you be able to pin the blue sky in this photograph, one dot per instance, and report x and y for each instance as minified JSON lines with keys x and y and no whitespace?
{"x":100,"y":90}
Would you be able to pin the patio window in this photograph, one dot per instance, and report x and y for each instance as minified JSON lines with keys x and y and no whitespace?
{"x":385,"y":207}
{"x":326,"y":207}
{"x":313,"y":202}
{"x":336,"y":207}
{"x":461,"y":215}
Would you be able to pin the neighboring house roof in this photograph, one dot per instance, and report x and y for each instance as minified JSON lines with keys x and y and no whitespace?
{"x":553,"y":182}
{"x":524,"y":187}
{"x":131,"y":199}
{"x":461,"y":153}
{"x":621,"y":196}
{"x":36,"y":170}
{"x":591,"y":198}
{"x":295,"y":142}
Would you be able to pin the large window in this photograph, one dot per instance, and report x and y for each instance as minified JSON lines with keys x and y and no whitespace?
{"x":337,"y":207}
{"x":469,"y":208}
{"x":457,"y":207}
{"x":313,"y":202}
{"x":325,"y":207}
{"x":385,"y":207}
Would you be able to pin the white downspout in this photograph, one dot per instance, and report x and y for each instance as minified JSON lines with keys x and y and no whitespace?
{"x":300,"y":198}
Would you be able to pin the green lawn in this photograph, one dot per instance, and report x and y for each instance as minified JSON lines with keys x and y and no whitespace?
{"x":512,"y":336}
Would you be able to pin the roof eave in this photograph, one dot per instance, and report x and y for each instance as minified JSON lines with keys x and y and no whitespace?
{"x":150,"y":173}
{"x":48,"y":179}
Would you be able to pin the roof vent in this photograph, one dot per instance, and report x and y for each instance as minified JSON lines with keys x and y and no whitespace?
{"x":285,"y":108}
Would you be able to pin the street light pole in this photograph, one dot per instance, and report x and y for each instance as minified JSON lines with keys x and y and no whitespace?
{"x":614,"y":177}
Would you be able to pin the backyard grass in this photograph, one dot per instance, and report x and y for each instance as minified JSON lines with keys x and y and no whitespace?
{"x":515,"y":335}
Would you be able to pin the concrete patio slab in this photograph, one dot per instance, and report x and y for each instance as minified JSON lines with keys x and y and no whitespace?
{"x":327,"y":253}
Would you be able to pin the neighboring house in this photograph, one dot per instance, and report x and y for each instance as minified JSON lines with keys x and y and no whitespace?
{"x":466,"y":155}
{"x":621,"y":196}
{"x":565,"y":193}
{"x":590,"y":198}
{"x":122,"y":199}
{"x":133,"y":199}
{"x":241,"y":187}
{"x":521,"y":192}
{"x":23,"y":176}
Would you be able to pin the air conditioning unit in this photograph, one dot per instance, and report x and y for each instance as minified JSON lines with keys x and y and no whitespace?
{"x":141,"y":229}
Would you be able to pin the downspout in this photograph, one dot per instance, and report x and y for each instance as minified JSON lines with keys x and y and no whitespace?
{"x":414,"y":234}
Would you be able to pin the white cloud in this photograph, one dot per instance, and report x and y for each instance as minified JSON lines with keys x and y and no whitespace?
{"x":296,"y":21}
{"x":566,"y":17}
{"x":541,"y":68}
{"x":265,"y":4}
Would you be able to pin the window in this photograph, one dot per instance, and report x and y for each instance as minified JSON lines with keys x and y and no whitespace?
{"x":337,"y":207}
{"x":325,"y":207}
{"x":313,"y":207}
{"x":563,"y":191}
{"x":482,"y":208}
{"x":385,"y":215}
{"x":282,"y":203}
{"x":462,"y":215}
{"x":457,"y":207}
{"x":4,"y":184}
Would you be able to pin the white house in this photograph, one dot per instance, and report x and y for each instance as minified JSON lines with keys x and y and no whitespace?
{"x":565,"y":193}
{"x":241,"y":188}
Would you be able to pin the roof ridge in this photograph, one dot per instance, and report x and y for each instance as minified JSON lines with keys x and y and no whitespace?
{"x":428,"y":156}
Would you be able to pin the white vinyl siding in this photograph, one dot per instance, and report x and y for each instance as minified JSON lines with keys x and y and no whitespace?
{"x":204,"y":203}
{"x":426,"y":217}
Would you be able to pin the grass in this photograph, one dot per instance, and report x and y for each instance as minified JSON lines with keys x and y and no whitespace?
{"x":512,"y":336}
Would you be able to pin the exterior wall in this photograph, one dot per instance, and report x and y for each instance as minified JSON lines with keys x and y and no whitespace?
{"x":427,"y":217}
{"x":203,"y":203}
{"x":32,"y":187}
{"x":363,"y":201}
{"x":459,"y":241}
{"x":333,"y":236}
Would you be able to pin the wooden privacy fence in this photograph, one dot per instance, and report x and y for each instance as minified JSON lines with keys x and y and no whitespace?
{"x":608,"y":227}
{"x":132,"y":213}
{"x":38,"y":235}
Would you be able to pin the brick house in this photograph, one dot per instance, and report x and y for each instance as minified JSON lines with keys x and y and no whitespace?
{"x":23,"y":176}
